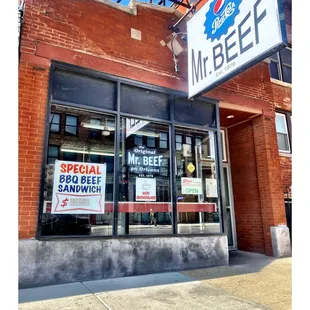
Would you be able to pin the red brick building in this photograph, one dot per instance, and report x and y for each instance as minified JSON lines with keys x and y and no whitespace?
{"x":72,"y":45}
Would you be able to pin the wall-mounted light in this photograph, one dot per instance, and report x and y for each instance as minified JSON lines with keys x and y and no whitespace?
{"x":230,"y":116}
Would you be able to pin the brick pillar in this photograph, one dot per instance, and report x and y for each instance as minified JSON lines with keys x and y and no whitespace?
{"x":33,"y":87}
{"x":247,"y":204}
{"x":270,"y":185}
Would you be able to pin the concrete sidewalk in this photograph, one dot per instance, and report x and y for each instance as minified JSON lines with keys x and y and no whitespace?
{"x":252,"y":281}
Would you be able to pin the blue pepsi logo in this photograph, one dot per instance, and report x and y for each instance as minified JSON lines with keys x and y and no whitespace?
{"x":220,"y":17}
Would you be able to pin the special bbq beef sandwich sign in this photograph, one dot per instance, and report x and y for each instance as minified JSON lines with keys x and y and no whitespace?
{"x":79,"y":188}
{"x":226,"y":37}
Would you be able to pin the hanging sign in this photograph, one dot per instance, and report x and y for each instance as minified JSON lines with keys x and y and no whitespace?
{"x":191,"y":186}
{"x":225,"y":37}
{"x":79,"y":188}
{"x":133,"y":125}
{"x":145,"y":189}
{"x":143,"y":160}
{"x":211,"y":188}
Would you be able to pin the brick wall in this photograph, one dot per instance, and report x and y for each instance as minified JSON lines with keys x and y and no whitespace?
{"x":94,"y":35}
{"x":33,"y":83}
{"x":282,"y":95}
{"x":286,"y":172}
{"x":256,"y":181}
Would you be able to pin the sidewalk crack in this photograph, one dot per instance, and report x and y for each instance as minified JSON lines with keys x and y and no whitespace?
{"x":96,"y":296}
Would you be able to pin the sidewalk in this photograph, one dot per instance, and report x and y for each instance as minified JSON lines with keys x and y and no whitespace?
{"x":252,"y":281}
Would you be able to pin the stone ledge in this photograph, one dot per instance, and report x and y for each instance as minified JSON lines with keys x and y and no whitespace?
{"x":55,"y":262}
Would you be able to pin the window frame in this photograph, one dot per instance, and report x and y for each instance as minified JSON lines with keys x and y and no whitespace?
{"x":287,"y":119}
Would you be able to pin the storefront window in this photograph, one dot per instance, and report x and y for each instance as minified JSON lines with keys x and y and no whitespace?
{"x":84,"y":137}
{"x":197,"y":182}
{"x":144,"y":206}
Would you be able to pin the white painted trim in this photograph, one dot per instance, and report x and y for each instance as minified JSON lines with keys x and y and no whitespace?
{"x":275,"y":81}
{"x":282,"y":154}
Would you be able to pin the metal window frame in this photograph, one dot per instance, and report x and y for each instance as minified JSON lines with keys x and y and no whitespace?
{"x":173,"y":95}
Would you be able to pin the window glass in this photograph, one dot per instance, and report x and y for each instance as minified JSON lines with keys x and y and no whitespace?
{"x":281,"y":123}
{"x":223,"y":137}
{"x":79,"y":149}
{"x":282,"y":142}
{"x":286,"y":56}
{"x":282,"y":133}
{"x":145,"y":193}
{"x":287,"y":74}
{"x":197,"y":185}
{"x":274,"y":70}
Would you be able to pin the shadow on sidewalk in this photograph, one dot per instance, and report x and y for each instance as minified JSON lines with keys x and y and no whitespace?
{"x":239,"y":263}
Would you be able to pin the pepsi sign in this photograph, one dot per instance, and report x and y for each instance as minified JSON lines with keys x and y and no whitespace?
{"x":225,"y":37}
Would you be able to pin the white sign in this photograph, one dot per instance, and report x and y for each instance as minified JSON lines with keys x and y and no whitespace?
{"x":226,"y":37}
{"x":211,"y":188}
{"x":191,"y":186}
{"x":145,"y":189}
{"x":187,"y":150}
{"x":133,"y":125}
{"x":79,"y":188}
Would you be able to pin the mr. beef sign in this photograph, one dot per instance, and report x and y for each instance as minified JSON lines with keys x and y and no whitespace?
{"x":226,"y":37}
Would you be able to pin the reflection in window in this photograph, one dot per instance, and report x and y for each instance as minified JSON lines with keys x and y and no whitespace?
{"x":196,"y":182}
{"x":53,"y":154}
{"x":71,"y":125}
{"x":55,"y":123}
{"x":151,"y":139}
{"x":69,"y":156}
{"x":94,"y":132}
{"x":144,"y":181}
{"x":163,"y":143}
{"x":178,"y":142}
{"x":68,"y":146}
{"x":138,"y":140}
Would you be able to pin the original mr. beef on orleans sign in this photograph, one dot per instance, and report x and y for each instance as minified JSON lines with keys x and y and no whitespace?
{"x":226,"y":37}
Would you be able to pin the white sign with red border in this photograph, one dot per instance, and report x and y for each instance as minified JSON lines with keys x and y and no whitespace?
{"x":145,"y":189}
{"x":191,"y":186}
{"x":79,"y":188}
